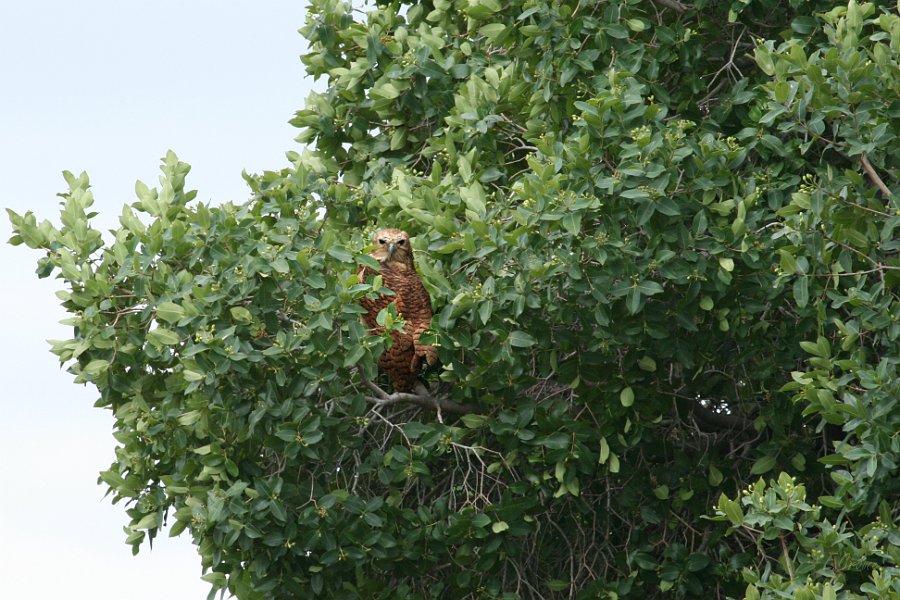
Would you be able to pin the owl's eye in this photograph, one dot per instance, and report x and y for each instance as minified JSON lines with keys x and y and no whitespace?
{"x":401,"y":242}
{"x":381,"y":242}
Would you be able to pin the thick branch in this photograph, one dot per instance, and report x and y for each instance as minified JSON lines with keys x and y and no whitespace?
{"x":382,"y":398}
{"x":870,"y":171}
{"x":787,"y":557}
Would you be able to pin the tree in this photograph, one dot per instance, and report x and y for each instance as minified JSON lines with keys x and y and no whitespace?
{"x":659,"y":238}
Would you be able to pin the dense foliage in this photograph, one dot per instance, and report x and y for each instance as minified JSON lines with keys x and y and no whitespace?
{"x":660,"y":238}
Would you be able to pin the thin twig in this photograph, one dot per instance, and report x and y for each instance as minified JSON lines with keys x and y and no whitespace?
{"x":728,"y":65}
{"x":878,"y":265}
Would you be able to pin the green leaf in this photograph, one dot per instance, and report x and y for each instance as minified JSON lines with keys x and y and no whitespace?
{"x":169,"y":311}
{"x":354,"y":355}
{"x":787,"y":262}
{"x":373,"y":520}
{"x":731,"y":510}
{"x":280,"y":265}
{"x":368,"y":261}
{"x":614,"y":465}
{"x":557,"y":585}
{"x":217,"y":579}
{"x":179,"y":526}
{"x":647,"y":364}
{"x":481,"y":520}
{"x":239,"y":313}
{"x":474,"y":421}
{"x":715,"y":476}
{"x":499,"y":526}
{"x":162,"y":337}
{"x":636,"y":25}
{"x":763,"y":465}
{"x":190,"y":375}
{"x":572,"y":223}
{"x":492,"y":31}
{"x":112,"y":479}
{"x":416,"y":430}
{"x":340,"y":253}
{"x":473,"y":196}
{"x":189,"y":418}
{"x":484,"y":311}
{"x":821,"y":348}
{"x":831,"y":502}
{"x":480,"y":9}
{"x":95,"y":367}
{"x":764,"y":60}
{"x":385,"y":90}
{"x":465,"y":169}
{"x":782,"y":89}
{"x":804,"y":25}
{"x":520,"y":339}
{"x":650,"y":288}
{"x":556,"y":441}
{"x":150,"y":521}
{"x":697,"y":561}
{"x":801,"y":291}
{"x":726,"y":263}
{"x":633,"y":300}
{"x":604,"y":450}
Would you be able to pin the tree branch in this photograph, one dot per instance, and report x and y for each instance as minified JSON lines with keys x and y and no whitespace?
{"x":425,"y":400}
{"x":870,"y":171}
{"x":787,"y":557}
{"x":673,"y":4}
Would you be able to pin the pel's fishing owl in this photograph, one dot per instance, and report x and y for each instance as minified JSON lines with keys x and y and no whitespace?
{"x":407,"y":355}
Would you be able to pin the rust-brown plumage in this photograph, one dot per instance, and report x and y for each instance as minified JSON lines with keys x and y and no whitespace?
{"x":404,"y":360}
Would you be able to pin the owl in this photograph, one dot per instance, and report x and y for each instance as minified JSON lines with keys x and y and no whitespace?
{"x":407,"y":355}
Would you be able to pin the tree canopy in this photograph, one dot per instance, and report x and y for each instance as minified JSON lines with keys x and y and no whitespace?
{"x":659,"y":237}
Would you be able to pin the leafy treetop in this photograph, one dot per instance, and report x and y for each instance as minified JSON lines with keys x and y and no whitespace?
{"x":660,"y":242}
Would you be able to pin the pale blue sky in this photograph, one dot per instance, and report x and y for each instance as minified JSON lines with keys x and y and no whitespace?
{"x":107,"y":87}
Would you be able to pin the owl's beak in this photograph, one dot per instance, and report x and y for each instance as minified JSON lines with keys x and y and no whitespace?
{"x":391,"y":248}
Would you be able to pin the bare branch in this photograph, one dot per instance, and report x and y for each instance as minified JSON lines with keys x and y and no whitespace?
{"x":425,"y":400}
{"x":787,"y":557}
{"x":870,"y":171}
{"x":863,"y":255}
{"x":730,"y":64}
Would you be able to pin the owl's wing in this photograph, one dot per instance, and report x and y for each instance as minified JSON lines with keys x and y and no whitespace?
{"x":397,"y":362}
{"x":417,"y":312}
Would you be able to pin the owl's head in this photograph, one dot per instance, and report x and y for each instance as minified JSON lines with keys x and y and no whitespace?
{"x":392,"y":248}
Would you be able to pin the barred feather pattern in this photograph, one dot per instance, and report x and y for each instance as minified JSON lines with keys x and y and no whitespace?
{"x":407,"y":356}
